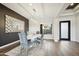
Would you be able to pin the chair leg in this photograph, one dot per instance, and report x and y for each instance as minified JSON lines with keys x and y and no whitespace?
{"x":41,"y":43}
{"x":23,"y":51}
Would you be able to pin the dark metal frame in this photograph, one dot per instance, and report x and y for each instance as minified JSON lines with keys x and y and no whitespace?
{"x":69,"y":30}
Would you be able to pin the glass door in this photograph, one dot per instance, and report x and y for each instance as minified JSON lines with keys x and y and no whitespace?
{"x":64,"y":30}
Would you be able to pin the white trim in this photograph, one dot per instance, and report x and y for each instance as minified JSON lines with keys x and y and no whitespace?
{"x":9,"y":44}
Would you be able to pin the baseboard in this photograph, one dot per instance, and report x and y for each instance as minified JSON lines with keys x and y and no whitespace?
{"x":9,"y":46}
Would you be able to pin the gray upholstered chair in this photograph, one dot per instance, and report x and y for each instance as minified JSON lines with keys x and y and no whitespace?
{"x":24,"y":43}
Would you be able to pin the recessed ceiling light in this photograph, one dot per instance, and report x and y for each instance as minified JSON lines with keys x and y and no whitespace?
{"x":30,"y":4}
{"x":34,"y":10}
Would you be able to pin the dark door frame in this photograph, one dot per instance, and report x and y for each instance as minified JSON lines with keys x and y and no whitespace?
{"x":41,"y":28}
{"x":69,"y":30}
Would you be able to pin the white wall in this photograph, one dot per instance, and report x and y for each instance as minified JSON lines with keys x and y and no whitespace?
{"x":34,"y":26}
{"x":48,"y":36}
{"x":64,"y":18}
{"x":77,"y":27}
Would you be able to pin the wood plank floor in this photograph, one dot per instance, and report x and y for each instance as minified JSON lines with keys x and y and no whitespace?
{"x":51,"y":48}
{"x":2,"y":54}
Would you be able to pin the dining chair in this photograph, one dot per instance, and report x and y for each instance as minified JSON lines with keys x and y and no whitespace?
{"x":24,"y":43}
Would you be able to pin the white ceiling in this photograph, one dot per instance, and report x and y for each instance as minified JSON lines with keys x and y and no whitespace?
{"x":45,"y":12}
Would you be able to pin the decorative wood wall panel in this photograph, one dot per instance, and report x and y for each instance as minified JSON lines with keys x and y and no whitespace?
{"x":13,"y":24}
{"x":6,"y":38}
